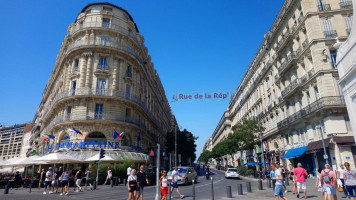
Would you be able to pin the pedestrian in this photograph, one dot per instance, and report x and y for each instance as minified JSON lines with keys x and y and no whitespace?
{"x":283,"y":173}
{"x":88,"y":179}
{"x":58,"y":174}
{"x":175,"y":175}
{"x":78,"y":177}
{"x":41,"y":179}
{"x":292,"y":177}
{"x":163,"y":183}
{"x":278,"y":189}
{"x":318,"y":184}
{"x":350,"y":180}
{"x":340,"y":175}
{"x":17,"y":180}
{"x":64,"y":178}
{"x":132,"y":185}
{"x":48,"y":180}
{"x":109,"y":176}
{"x":328,"y":180}
{"x":141,"y":181}
{"x":129,"y":171}
{"x":300,"y":174}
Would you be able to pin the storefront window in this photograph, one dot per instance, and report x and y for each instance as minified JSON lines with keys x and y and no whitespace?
{"x":96,"y":137}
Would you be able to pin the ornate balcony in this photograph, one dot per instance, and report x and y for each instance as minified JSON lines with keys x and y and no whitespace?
{"x":330,"y":34}
{"x":324,"y":102}
{"x":346,"y":5}
{"x":294,"y":84}
{"x":324,"y":7}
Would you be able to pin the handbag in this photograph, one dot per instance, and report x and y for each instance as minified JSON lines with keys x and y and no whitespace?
{"x":340,"y":189}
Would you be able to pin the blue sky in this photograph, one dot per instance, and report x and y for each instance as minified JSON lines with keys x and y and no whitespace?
{"x":195,"y":46}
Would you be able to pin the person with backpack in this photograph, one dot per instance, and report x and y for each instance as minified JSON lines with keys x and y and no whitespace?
{"x":300,"y":173}
{"x":350,"y":180}
{"x":318,"y":184}
{"x":328,"y":180}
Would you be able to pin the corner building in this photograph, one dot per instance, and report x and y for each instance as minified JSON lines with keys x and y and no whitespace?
{"x":103,"y":81}
{"x":291,"y":88}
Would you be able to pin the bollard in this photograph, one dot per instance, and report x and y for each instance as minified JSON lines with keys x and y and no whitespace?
{"x":287,"y":181}
{"x":94,"y":185}
{"x":124,"y":182}
{"x":6,"y":191}
{"x":118,"y":181}
{"x":111,"y":183}
{"x":228,"y":192}
{"x":169,"y":190}
{"x":115,"y":181}
{"x":260,"y":186}
{"x":212,"y":188}
{"x":269,"y":183}
{"x":239,"y":189}
{"x":248,"y":185}
{"x":193,"y":182}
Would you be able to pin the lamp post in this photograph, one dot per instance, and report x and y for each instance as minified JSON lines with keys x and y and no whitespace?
{"x":322,"y":140}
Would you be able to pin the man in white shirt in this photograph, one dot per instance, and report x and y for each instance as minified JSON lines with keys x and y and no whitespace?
{"x":175,"y":175}
{"x":129,"y":171}
{"x":48,"y":180}
{"x":278,"y":190}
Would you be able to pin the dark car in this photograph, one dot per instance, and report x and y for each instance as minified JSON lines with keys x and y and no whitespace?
{"x":151,"y":175}
{"x":219,"y":166}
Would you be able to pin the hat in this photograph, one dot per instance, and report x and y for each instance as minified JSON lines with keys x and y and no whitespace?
{"x":49,"y":167}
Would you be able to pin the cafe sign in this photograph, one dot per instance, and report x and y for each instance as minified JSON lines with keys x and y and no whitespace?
{"x":82,"y":145}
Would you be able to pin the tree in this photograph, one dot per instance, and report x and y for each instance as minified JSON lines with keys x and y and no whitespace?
{"x":185,"y":144}
{"x":204,"y":156}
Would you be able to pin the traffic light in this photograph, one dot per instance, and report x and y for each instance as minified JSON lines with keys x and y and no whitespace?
{"x":102,"y":153}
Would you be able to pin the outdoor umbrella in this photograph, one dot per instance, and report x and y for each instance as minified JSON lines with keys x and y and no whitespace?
{"x":56,"y":158}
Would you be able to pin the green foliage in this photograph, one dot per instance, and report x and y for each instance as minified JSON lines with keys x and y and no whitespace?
{"x":242,"y":170}
{"x":249,"y":172}
{"x":204,"y":156}
{"x":186,"y":144}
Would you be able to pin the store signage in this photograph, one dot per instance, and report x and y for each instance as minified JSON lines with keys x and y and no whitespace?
{"x":83,"y":145}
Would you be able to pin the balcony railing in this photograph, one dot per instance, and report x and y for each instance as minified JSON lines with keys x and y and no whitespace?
{"x":330,"y":34}
{"x":346,"y":4}
{"x":331,"y":101}
{"x":324,"y":7}
{"x":102,"y":67}
{"x":305,"y":43}
{"x":291,"y":87}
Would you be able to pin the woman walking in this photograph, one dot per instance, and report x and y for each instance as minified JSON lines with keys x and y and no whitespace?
{"x":163,"y":183}
{"x":350,"y":180}
{"x":292,"y":177}
{"x":65,"y":182}
{"x":340,"y":175}
{"x":318,"y":184}
{"x":132,"y":185}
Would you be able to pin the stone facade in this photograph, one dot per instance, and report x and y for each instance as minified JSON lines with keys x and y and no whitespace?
{"x":291,"y":85}
{"x":104,"y":81}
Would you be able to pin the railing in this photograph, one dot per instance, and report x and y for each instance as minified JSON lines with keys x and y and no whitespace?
{"x":348,"y":31}
{"x":102,"y":67}
{"x":324,"y":7}
{"x":346,"y":4}
{"x":317,"y":105}
{"x":330,"y":33}
{"x":290,"y":87}
{"x":311,"y":72}
{"x":101,"y":92}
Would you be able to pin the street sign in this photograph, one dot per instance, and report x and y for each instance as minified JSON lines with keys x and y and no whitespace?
{"x":152,"y":153}
{"x":325,"y":156}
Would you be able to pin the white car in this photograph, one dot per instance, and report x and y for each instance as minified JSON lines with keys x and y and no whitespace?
{"x":232,"y":173}
{"x":188,"y":174}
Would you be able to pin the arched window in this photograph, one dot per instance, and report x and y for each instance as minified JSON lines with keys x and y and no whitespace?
{"x":126,"y":141}
{"x":65,"y":138}
{"x":95,"y":137}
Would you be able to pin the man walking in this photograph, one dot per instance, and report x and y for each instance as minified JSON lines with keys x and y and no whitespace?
{"x":175,"y":175}
{"x":278,"y":189}
{"x":88,"y":179}
{"x":48,"y":180}
{"x":141,"y":181}
{"x":129,"y":171}
{"x":58,"y":174}
{"x":79,"y":177}
{"x":328,"y":180}
{"x":300,"y":174}
{"x":283,"y":173}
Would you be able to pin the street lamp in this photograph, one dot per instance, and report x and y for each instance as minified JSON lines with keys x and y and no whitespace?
{"x":322,"y":139}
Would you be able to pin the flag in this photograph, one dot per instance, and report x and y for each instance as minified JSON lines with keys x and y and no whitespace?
{"x":139,"y":137}
{"x":77,"y":131}
{"x":51,"y":136}
{"x":121,"y":134}
{"x":45,"y":138}
{"x":69,"y":130}
{"x":115,"y":135}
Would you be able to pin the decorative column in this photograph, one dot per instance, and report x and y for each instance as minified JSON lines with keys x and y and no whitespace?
{"x":89,"y":72}
{"x":83,"y":70}
{"x":68,"y":65}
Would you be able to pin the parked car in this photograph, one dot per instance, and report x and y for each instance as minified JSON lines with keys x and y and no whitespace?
{"x":218,"y":166}
{"x":232,"y":173}
{"x":188,"y":175}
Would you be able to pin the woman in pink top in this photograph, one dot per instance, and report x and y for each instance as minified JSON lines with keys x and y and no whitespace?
{"x":328,"y":180}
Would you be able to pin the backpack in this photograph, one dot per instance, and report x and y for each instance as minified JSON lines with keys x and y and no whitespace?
{"x":326,"y":177}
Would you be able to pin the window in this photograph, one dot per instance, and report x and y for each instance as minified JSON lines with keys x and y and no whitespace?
{"x":129,"y":71}
{"x":107,"y":8}
{"x":300,"y":10}
{"x":73,"y":87}
{"x":88,"y":11}
{"x":101,"y":86}
{"x":347,"y":121}
{"x":294,"y":19}
{"x":308,"y":97}
{"x":65,"y":138}
{"x":328,"y":28}
{"x":68,"y":112}
{"x":348,"y":21}
{"x":128,"y":91}
{"x":333,"y":54}
{"x":104,"y":40}
{"x":286,"y":139}
{"x":98,"y":111}
{"x":81,"y":24}
{"x":96,"y":137}
{"x":316,"y":91}
{"x":291,"y":137}
{"x":78,"y":42}
{"x":102,"y":63}
{"x":267,"y":83}
{"x":128,"y":112}
{"x":106,"y":22}
{"x":76,"y":65}
{"x":322,"y":5}
{"x":310,"y":60}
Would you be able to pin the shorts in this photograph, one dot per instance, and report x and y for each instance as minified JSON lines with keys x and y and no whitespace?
{"x":330,"y":189}
{"x":175,"y":184}
{"x":164,"y":190}
{"x":89,"y":181}
{"x":132,"y":188}
{"x":140,"y":189}
{"x":278,"y":190}
{"x":78,"y":182}
{"x":301,"y":185}
{"x":351,"y":189}
{"x":58,"y":182}
{"x":64,"y":183}
{"x":47,"y":183}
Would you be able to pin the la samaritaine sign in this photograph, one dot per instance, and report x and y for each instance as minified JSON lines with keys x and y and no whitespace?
{"x":86,"y":145}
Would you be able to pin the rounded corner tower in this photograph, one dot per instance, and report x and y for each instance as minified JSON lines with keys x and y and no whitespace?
{"x":103,"y":81}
